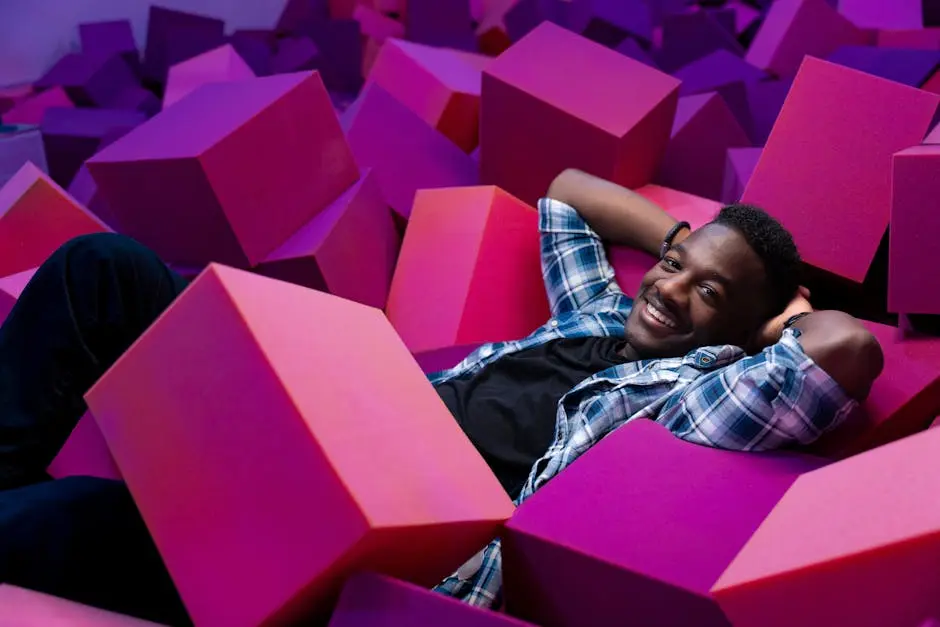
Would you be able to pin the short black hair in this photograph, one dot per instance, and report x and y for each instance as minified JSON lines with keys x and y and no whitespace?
{"x":773,"y":244}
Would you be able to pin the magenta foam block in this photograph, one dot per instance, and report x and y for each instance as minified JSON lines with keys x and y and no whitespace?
{"x":823,"y":168}
{"x":104,"y":39}
{"x":898,"y":14}
{"x":631,"y":264}
{"x":910,"y":67}
{"x":10,"y":289}
{"x":376,"y":28}
{"x":30,"y":110}
{"x":12,"y":94}
{"x":763,"y":101}
{"x":20,"y":607}
{"x":715,"y":70}
{"x":690,"y":36}
{"x":370,"y":600}
{"x":88,"y":79}
{"x":745,"y":15}
{"x":406,"y":153}
{"x":903,"y":400}
{"x":477,"y":250}
{"x":19,"y":144}
{"x":611,"y":116}
{"x":444,"y":23}
{"x":295,"y":54}
{"x":739,"y":165}
{"x":273,"y":498}
{"x":233,"y":151}
{"x":340,"y":45}
{"x":444,"y":358}
{"x":174,"y":36}
{"x":703,"y":131}
{"x":349,"y":249}
{"x":441,"y":85}
{"x":919,"y":39}
{"x":84,"y":454}
{"x":218,"y":65}
{"x":666,"y":518}
{"x":36,"y":217}
{"x":854,"y":543}
{"x":914,"y":186}
{"x":795,"y":28}
{"x":72,"y":135}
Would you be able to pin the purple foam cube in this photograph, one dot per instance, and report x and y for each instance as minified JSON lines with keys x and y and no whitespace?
{"x":896,"y":14}
{"x":725,"y":17}
{"x":634,"y":50}
{"x":84,"y":190}
{"x":716,"y":70}
{"x":20,"y":143}
{"x":608,"y":22}
{"x":174,"y":36}
{"x":295,"y":54}
{"x":105,"y":39}
{"x":739,"y":166}
{"x":661,"y":9}
{"x":444,"y":23}
{"x":88,"y":79}
{"x":371,"y":600}
{"x":666,"y":518}
{"x":256,"y":48}
{"x":703,"y":131}
{"x":139,"y":99}
{"x":910,"y":67}
{"x":72,"y":135}
{"x":300,"y":15}
{"x":525,"y":15}
{"x":405,"y":152}
{"x":340,"y":45}
{"x":690,"y":36}
{"x":765,"y":99}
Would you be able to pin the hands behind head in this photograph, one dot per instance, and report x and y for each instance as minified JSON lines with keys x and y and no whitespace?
{"x":771,"y":332}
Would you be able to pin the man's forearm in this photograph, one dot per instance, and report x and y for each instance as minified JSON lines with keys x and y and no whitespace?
{"x":617,"y":214}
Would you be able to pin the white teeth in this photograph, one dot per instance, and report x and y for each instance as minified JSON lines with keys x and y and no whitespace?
{"x":659,"y":316}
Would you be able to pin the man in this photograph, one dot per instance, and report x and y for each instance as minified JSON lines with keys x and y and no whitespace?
{"x":720,"y":346}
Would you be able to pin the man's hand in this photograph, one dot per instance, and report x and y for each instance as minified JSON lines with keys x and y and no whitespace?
{"x":771,"y":332}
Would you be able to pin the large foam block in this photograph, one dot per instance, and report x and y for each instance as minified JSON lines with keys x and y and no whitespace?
{"x":114,"y":37}
{"x":20,"y":607}
{"x":631,"y":264}
{"x":611,"y":116}
{"x":739,"y":166}
{"x":36,"y":217}
{"x":910,"y":67}
{"x":197,"y":183}
{"x":795,"y":28}
{"x":715,"y":70}
{"x":10,"y":289}
{"x":442,"y":86}
{"x":348,"y":250}
{"x":73,"y":134}
{"x":295,"y":54}
{"x":914,"y":184}
{"x":445,"y":23}
{"x":340,"y":45}
{"x":823,"y":168}
{"x":174,"y":36}
{"x":477,"y":250}
{"x":84,"y":454}
{"x":218,"y":65}
{"x":899,"y":14}
{"x":377,"y":601}
{"x":690,"y":36}
{"x":866,"y":524}
{"x":19,"y":144}
{"x":654,"y":542}
{"x":30,"y":110}
{"x":405,"y":152}
{"x":266,"y":473}
{"x":90,"y":79}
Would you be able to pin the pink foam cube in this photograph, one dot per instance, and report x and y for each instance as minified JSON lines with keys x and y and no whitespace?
{"x":36,"y":217}
{"x":491,"y":33}
{"x":10,"y":289}
{"x":348,"y":250}
{"x":739,"y":166}
{"x":442,"y":86}
{"x":251,"y":162}
{"x":306,"y":444}
{"x":823,"y":168}
{"x":854,"y":543}
{"x":84,"y":454}
{"x":610,"y":116}
{"x":377,"y":601}
{"x":90,"y":79}
{"x":477,"y":250}
{"x":20,"y":607}
{"x":405,"y":152}
{"x":218,"y":65}
{"x":630,"y":264}
{"x":31,"y":110}
{"x":666,"y":518}
{"x":174,"y":36}
{"x":20,"y":143}
{"x":899,"y":14}
{"x":795,"y":28}
{"x":702,"y":133}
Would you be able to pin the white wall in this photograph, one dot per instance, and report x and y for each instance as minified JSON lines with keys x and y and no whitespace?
{"x":35,"y":33}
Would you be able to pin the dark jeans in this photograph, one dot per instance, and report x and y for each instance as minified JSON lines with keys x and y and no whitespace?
{"x":79,"y":538}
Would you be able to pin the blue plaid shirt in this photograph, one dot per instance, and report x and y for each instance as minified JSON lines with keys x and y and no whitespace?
{"x":716,"y":395}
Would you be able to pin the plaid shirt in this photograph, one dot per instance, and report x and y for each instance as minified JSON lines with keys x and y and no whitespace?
{"x":715,"y":396}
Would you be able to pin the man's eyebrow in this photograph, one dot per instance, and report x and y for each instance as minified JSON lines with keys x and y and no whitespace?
{"x":713,"y":275}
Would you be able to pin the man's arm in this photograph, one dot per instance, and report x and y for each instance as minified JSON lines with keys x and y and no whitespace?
{"x":618,"y":215}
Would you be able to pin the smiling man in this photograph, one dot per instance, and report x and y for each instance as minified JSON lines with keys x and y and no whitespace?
{"x":720,"y":346}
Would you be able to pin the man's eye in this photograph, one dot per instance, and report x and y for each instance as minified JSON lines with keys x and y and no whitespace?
{"x":671,"y":264}
{"x":709,"y":292}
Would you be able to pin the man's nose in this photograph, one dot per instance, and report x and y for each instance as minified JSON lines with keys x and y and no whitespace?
{"x":674,"y":290}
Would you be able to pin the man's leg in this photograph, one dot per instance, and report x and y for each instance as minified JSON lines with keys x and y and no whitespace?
{"x":83,"y":308}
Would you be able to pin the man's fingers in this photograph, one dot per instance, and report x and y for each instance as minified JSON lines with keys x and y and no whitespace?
{"x":804,"y":292}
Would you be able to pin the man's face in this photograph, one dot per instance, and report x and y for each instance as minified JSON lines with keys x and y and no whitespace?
{"x":708,"y":290}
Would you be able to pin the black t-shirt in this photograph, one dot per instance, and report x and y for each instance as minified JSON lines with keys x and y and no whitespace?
{"x":508,"y":409}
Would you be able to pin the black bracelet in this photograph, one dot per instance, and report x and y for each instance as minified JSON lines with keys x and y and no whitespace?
{"x":671,"y":235}
{"x":794,"y":319}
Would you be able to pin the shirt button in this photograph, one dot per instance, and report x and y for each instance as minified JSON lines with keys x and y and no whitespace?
{"x":554,"y":323}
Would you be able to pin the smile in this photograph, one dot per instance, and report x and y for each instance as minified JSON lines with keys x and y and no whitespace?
{"x":660,"y":316}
